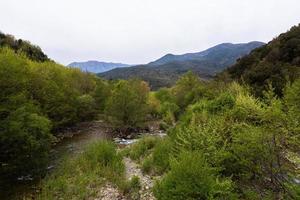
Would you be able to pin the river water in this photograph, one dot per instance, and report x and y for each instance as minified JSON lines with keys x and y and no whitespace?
{"x":74,"y":142}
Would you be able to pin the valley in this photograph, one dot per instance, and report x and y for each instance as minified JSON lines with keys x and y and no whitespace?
{"x":218,"y":124}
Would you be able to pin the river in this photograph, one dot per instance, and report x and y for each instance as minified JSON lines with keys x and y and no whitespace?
{"x":74,"y":141}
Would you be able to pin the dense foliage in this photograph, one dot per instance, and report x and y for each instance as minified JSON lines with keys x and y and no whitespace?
{"x":37,"y":99}
{"x":127,"y":105}
{"x":226,"y":140}
{"x":248,"y":148}
{"x":23,"y":47}
{"x":277,"y":62}
{"x":98,"y":164}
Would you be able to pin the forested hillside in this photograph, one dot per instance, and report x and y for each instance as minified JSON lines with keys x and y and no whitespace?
{"x":37,"y":98}
{"x":277,"y":62}
{"x":165,"y":71}
{"x":23,"y":47}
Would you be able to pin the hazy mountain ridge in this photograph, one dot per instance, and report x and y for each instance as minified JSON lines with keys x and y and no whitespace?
{"x":227,"y":50}
{"x":166,"y":70}
{"x":97,"y":66}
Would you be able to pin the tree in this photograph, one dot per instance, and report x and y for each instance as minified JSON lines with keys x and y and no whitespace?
{"x":127,"y":105}
{"x":86,"y":107}
{"x":187,"y":89}
{"x":24,"y":142}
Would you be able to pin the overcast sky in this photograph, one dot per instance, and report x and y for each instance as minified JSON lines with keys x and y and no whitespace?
{"x":139,"y":31}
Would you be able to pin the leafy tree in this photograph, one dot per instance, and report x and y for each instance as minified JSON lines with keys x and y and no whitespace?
{"x":24,"y":142}
{"x":127,"y":105}
{"x":187,"y":89}
{"x":86,"y":107}
{"x":101,"y":94}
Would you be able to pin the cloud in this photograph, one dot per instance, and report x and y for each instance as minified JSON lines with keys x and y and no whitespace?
{"x":139,"y":31}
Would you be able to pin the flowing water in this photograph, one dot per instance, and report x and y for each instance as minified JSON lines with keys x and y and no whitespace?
{"x":74,"y":141}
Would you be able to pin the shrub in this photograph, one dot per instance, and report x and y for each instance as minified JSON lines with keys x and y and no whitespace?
{"x":86,"y":107}
{"x":142,"y":147}
{"x":158,"y":161}
{"x":77,"y":178}
{"x":221,"y":103}
{"x":190,"y":178}
{"x":24,"y":142}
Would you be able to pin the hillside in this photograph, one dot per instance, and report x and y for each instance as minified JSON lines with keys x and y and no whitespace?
{"x":20,"y":46}
{"x":276,"y":62}
{"x":165,"y":71}
{"x":223,"y":54}
{"x":96,"y":66}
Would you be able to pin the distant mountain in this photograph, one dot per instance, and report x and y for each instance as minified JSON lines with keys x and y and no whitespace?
{"x":276,"y":63}
{"x":96,"y":66}
{"x":223,"y":54}
{"x":166,"y":70}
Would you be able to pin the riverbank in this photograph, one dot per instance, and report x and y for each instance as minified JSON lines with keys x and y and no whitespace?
{"x":70,"y":144}
{"x":103,"y":171}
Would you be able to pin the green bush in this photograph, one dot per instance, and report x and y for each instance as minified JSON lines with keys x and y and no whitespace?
{"x":158,"y":162}
{"x":221,"y":103}
{"x":142,"y":147}
{"x":24,"y":142}
{"x":127,"y":106}
{"x":190,"y":178}
{"x":86,"y":107}
{"x":79,"y":178}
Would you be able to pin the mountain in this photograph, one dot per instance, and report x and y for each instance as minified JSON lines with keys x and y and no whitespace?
{"x":222,"y":54}
{"x":97,"y":67}
{"x":166,"y":70}
{"x":276,"y":63}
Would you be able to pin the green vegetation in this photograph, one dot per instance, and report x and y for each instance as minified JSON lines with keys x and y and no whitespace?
{"x":191,"y":177}
{"x":23,"y":47}
{"x":158,"y":161}
{"x":277,"y":63}
{"x":79,"y":178}
{"x":38,"y":99}
{"x":165,"y":71}
{"x":133,"y":187}
{"x":225,"y":139}
{"x":127,"y":106}
{"x":141,"y":149}
{"x":246,"y":147}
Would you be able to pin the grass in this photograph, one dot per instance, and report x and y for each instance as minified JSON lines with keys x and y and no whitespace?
{"x":132,"y":187}
{"x":159,"y":160}
{"x":81,"y":177}
{"x":142,"y":148}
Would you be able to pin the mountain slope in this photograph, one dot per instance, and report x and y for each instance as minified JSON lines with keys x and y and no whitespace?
{"x":96,"y":66}
{"x":276,"y":63}
{"x":33,"y":52}
{"x":222,"y":54}
{"x":166,"y":70}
